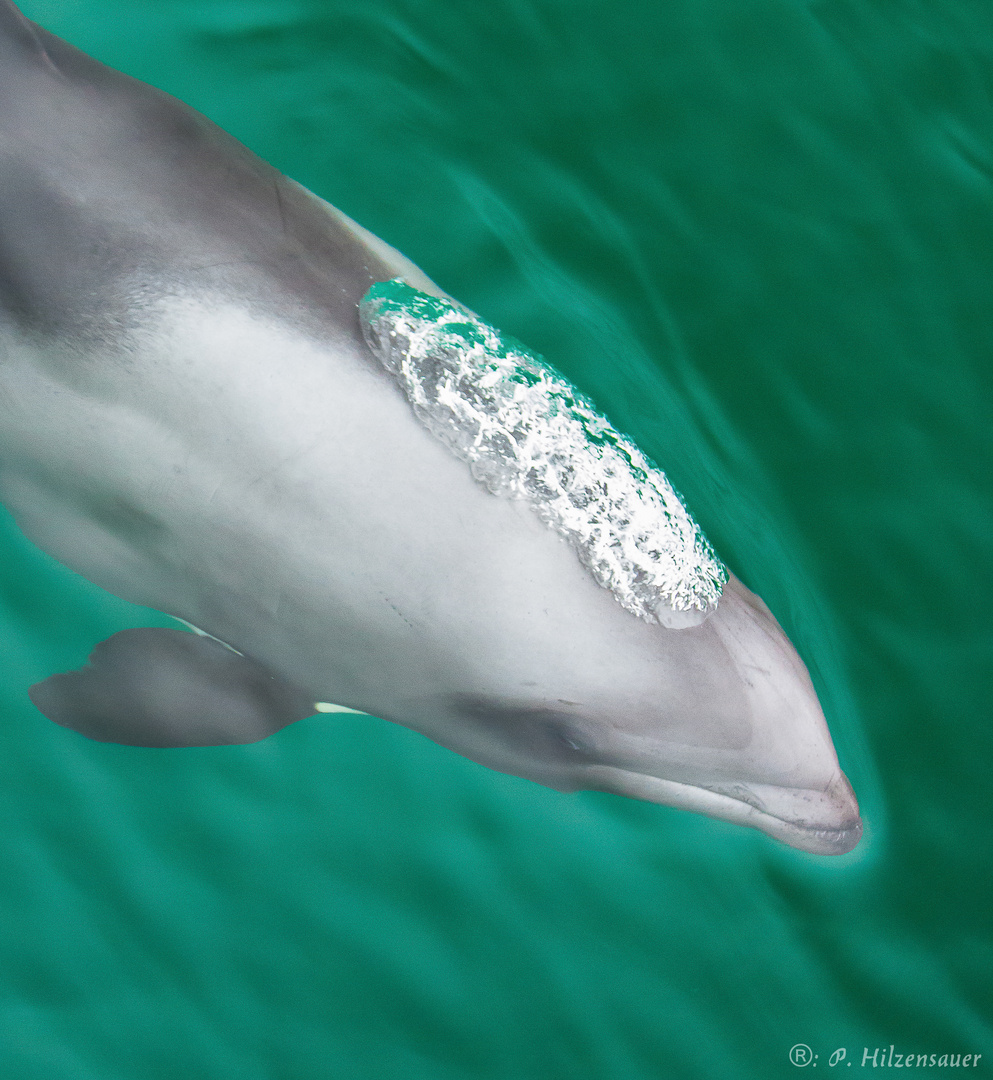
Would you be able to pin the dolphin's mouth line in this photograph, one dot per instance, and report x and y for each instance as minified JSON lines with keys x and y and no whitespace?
{"x":819,"y":836}
{"x":811,"y":830}
{"x":812,"y":837}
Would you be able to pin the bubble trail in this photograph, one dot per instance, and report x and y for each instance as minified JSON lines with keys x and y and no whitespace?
{"x":527,"y":433}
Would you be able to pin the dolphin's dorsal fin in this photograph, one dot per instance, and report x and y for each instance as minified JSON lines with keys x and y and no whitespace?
{"x":18,"y":37}
{"x":158,"y":687}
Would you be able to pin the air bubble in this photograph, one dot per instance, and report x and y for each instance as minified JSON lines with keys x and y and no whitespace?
{"x":528,"y":434}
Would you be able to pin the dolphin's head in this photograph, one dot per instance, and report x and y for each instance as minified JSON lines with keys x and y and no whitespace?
{"x":651,"y":672}
{"x":719,"y":718}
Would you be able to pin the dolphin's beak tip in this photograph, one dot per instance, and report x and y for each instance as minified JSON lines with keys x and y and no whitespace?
{"x":836,"y":841}
{"x":848,"y":839}
{"x":840,"y":828}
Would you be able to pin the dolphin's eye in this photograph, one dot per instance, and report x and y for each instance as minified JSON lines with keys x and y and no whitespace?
{"x":541,"y":732}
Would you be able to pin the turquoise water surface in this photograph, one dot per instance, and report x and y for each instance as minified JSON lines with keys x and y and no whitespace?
{"x":759,"y":234}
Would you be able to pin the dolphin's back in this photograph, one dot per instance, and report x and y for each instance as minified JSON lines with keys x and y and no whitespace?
{"x":171,"y":201}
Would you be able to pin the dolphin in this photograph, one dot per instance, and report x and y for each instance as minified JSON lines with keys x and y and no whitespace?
{"x":195,"y":417}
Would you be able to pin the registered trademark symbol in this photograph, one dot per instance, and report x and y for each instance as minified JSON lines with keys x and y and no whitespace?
{"x":801,"y":1055}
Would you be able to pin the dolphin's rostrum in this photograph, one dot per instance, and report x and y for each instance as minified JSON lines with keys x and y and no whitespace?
{"x":192,"y":419}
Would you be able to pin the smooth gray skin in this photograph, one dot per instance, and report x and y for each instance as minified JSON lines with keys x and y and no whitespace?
{"x":191,"y":419}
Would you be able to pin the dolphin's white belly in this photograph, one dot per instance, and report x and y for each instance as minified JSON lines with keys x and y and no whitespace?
{"x":250,"y":481}
{"x":228,"y":434}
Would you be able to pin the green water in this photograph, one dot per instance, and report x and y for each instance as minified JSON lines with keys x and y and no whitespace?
{"x":760,"y":235}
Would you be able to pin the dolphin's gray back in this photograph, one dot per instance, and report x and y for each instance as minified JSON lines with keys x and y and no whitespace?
{"x":111,"y":190}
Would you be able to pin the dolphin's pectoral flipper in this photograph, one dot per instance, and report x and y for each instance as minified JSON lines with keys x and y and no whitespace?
{"x":158,"y":687}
